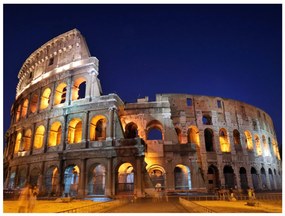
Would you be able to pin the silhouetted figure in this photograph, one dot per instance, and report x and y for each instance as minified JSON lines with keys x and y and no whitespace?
{"x":33,"y":198}
{"x":24,"y":199}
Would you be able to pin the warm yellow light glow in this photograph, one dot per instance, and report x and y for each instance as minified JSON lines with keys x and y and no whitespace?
{"x":27,"y":140}
{"x":18,"y":142}
{"x":18,"y":113}
{"x":60,"y":94}
{"x":55,"y":134}
{"x":25,"y":108}
{"x":257,"y":145}
{"x":75,"y":88}
{"x":98,"y":126}
{"x":193,"y":135}
{"x":34,"y":103}
{"x":45,"y":99}
{"x":248,"y":138}
{"x":75,"y":131}
{"x":224,"y":141}
{"x":39,"y":137}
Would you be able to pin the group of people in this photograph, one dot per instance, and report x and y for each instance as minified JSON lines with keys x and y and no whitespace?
{"x":27,"y":199}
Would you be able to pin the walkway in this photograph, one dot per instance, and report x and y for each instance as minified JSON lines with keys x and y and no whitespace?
{"x":149,"y":205}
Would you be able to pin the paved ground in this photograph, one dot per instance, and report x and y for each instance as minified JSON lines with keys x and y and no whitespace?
{"x":151,"y":206}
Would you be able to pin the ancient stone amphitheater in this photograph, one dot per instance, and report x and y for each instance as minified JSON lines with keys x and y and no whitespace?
{"x":70,"y":139}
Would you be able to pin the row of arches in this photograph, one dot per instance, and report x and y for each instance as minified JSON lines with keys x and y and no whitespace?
{"x":259,"y":180}
{"x":96,"y":179}
{"x":97,"y":129}
{"x":41,"y":102}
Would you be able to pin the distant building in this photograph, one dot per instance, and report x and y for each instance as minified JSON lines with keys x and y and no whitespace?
{"x":69,"y":139}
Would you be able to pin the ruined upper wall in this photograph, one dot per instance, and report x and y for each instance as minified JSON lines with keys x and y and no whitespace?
{"x":63,"y":52}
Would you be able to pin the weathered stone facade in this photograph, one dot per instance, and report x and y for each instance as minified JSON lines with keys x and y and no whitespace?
{"x":68,"y":138}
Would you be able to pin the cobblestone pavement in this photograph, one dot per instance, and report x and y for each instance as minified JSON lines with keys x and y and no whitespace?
{"x":149,"y":205}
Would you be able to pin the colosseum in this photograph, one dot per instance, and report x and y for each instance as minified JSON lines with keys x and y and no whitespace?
{"x":69,"y":139}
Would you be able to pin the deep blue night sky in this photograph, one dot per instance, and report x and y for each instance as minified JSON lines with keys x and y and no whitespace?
{"x":231,"y":51}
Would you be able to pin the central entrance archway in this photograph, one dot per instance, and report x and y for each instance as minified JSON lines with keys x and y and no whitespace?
{"x":97,"y":180}
{"x":182,"y":177}
{"x":157,"y":175}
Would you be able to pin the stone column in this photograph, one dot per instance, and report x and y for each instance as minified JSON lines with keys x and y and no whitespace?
{"x":138,"y":178}
{"x":68,"y":91}
{"x":46,"y":136}
{"x":81,"y":189}
{"x":109,"y":185}
{"x":110,"y":129}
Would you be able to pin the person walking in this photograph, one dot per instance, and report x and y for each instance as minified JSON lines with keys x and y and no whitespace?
{"x":33,"y":198}
{"x":24,"y":199}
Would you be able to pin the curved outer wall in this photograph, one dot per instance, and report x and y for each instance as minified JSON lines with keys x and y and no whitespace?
{"x":69,"y":139}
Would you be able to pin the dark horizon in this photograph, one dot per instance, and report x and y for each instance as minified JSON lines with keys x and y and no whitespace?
{"x":229,"y":51}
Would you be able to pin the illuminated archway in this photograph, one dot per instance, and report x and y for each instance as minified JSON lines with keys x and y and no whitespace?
{"x":55,"y":134}
{"x":75,"y":131}
{"x":45,"y":99}
{"x":18,"y":114}
{"x":154,"y":130}
{"x":98,"y":127}
{"x":34,"y":103}
{"x":60,"y":94}
{"x":182,"y":177}
{"x":18,"y":142}
{"x":257,"y":145}
{"x":39,"y":137}
{"x":248,"y":140}
{"x":27,"y":140}
{"x":97,"y":180}
{"x":157,"y":175}
{"x":25,"y":108}
{"x":224,"y":141}
{"x":52,"y":181}
{"x":193,"y":135}
{"x":125,"y":179}
{"x":179,"y":134}
{"x":71,"y":180}
{"x":78,"y":89}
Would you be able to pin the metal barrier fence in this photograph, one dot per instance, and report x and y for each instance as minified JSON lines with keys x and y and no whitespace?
{"x":97,"y":207}
{"x":194,"y":206}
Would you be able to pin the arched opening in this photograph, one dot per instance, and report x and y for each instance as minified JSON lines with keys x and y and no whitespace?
{"x":45,"y":99}
{"x":34,"y":103}
{"x":271,"y":179}
{"x":237,"y":142}
{"x":74,"y":131}
{"x":18,"y":114}
{"x":34,"y":177}
{"x":229,"y":177}
{"x":265,"y":146}
{"x":125,"y":181}
{"x":179,"y":135}
{"x":79,"y":89}
{"x":263,"y":179}
{"x":131,"y":130}
{"x":213,"y":178}
{"x":193,"y":136}
{"x":97,"y":180}
{"x":11,"y":184}
{"x":154,"y":130}
{"x":182,"y":177}
{"x":257,"y":145}
{"x":243,"y":178}
{"x":248,"y":140}
{"x":39,"y":137}
{"x":98,"y":127}
{"x":55,"y":134}
{"x":224,"y":141}
{"x":254,"y":178}
{"x":209,"y":139}
{"x":27,"y":140}
{"x":52,"y":181}
{"x":157,"y":175}
{"x":18,"y":142}
{"x":22,"y":177}
{"x":25,"y":108}
{"x":207,"y":119}
{"x":60,"y":94}
{"x":71,"y":180}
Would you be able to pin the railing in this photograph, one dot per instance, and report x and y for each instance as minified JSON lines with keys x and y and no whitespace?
{"x":97,"y":207}
{"x":194,"y":206}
